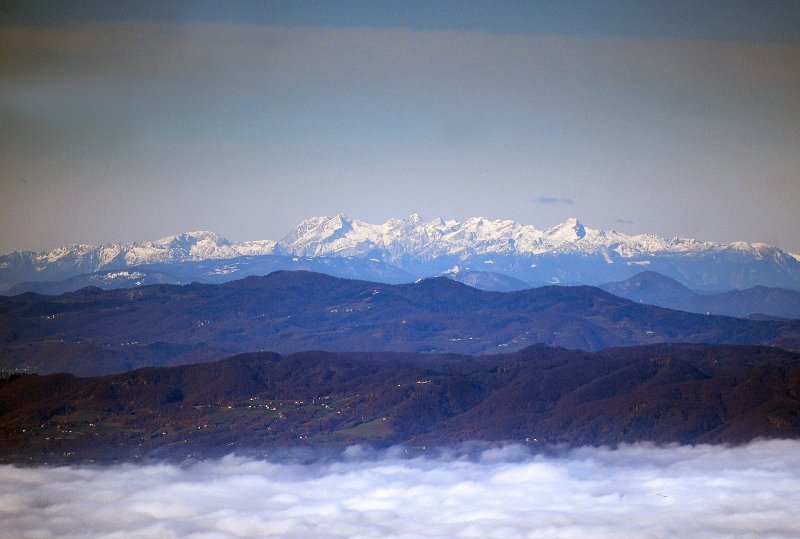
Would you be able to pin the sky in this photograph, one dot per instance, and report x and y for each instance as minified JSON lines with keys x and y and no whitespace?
{"x":635,"y":491}
{"x":130,"y":121}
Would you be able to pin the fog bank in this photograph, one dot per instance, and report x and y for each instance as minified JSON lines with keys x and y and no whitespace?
{"x":633,"y":491}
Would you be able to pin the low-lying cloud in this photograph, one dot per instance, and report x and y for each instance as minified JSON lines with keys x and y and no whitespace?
{"x":633,"y":491}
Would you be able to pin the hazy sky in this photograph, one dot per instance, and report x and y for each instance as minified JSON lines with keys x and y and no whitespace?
{"x":124,"y":121}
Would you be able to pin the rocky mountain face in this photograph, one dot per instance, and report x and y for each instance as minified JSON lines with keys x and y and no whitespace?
{"x":569,"y":253}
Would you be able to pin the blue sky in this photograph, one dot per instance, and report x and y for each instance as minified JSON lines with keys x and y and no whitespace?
{"x":129,"y":121}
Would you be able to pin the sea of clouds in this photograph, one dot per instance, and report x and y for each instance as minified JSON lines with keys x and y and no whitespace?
{"x":633,"y":491}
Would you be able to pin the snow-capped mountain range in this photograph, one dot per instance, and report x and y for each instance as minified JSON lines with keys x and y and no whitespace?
{"x":569,"y":253}
{"x":427,"y":240}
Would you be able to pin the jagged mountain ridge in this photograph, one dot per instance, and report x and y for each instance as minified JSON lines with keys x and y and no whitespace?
{"x":428,"y":240}
{"x":569,"y":253}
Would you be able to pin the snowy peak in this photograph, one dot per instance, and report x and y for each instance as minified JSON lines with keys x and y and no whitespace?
{"x":411,"y":236}
{"x":189,"y":246}
{"x":322,"y":236}
{"x":189,"y":239}
{"x":568,"y":231}
{"x":196,"y":245}
{"x":318,"y":230}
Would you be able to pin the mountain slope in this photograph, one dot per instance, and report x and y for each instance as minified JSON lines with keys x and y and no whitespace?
{"x":218,"y":271}
{"x":485,"y":280}
{"x":316,"y":401}
{"x":97,"y":332}
{"x":655,"y":289}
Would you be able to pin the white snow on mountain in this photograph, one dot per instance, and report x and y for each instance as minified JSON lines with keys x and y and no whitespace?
{"x":402,"y":242}
{"x":67,"y":251}
{"x":255,"y":248}
{"x":338,"y":235}
{"x":200,"y":245}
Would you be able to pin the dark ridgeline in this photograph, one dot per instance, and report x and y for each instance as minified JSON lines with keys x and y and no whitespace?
{"x":265,"y":403}
{"x":96,"y":332}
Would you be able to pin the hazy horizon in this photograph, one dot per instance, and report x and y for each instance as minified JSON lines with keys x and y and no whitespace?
{"x":131,"y":122}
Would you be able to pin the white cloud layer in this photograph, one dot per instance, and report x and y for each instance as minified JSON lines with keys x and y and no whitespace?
{"x":634,"y":491}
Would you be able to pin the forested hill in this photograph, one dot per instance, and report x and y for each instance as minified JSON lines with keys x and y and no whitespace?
{"x":539,"y":396}
{"x":94,"y":332}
